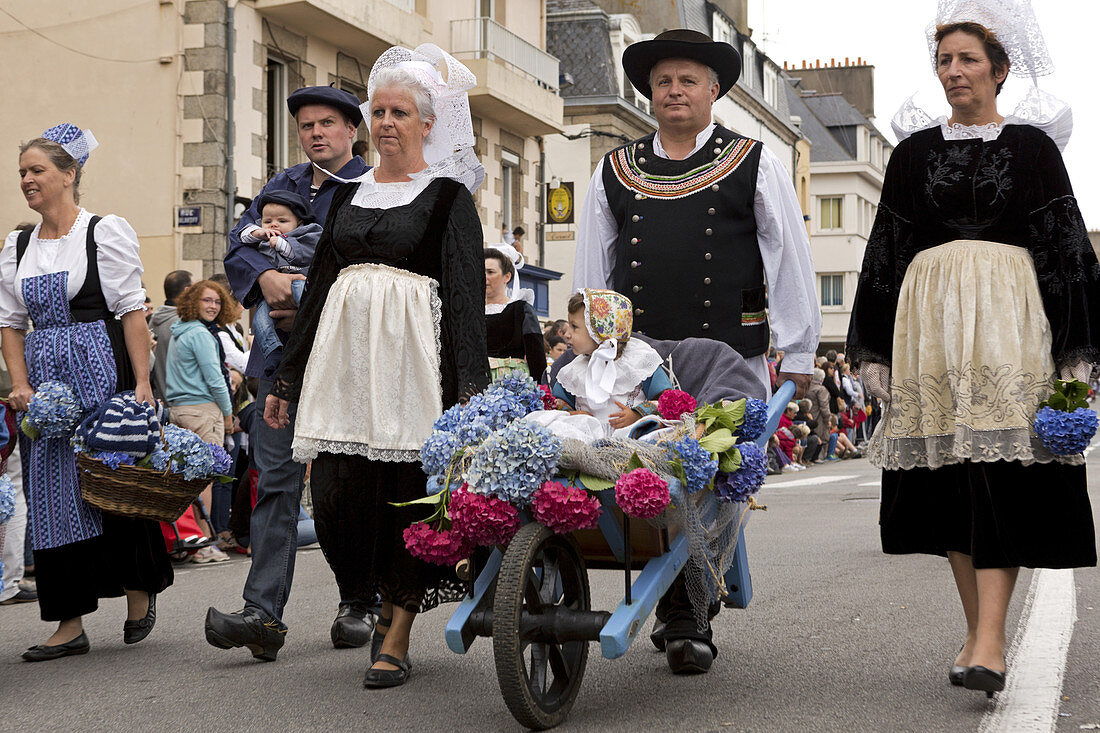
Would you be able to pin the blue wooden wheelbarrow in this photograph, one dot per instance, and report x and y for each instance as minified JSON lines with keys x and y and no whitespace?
{"x":533,"y":599}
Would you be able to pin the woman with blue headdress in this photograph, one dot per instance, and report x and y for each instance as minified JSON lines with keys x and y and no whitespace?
{"x":77,"y":276}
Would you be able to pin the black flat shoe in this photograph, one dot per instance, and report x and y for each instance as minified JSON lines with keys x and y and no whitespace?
{"x":657,"y":636}
{"x":248,"y":627}
{"x":955,"y":676}
{"x":378,"y":637}
{"x":688,"y":656}
{"x":984,"y":679}
{"x":43,"y":653}
{"x":135,"y":631}
{"x":352,"y":627}
{"x":379,"y":678}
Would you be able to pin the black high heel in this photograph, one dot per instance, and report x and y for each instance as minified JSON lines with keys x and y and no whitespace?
{"x":984,"y":679}
{"x":135,"y":631}
{"x":955,"y":676}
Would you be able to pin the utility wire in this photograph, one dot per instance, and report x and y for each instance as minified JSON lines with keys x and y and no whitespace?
{"x":42,"y":35}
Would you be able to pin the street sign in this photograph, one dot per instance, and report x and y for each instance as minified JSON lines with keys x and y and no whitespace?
{"x":188,"y":216}
{"x":566,"y":236}
{"x":559,"y":204}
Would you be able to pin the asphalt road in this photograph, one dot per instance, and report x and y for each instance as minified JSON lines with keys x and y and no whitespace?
{"x":838,"y":637}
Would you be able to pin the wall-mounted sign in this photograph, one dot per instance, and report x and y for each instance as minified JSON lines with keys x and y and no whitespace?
{"x":188,"y":216}
{"x":566,"y":236}
{"x":559,"y":203}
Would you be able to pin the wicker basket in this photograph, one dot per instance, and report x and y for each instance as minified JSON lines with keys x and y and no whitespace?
{"x":130,"y":491}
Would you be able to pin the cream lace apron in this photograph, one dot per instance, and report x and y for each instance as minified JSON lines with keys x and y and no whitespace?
{"x":971,"y":360}
{"x":372,"y":383}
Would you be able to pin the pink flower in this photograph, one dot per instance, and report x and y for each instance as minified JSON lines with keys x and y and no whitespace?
{"x":565,"y":508}
{"x":642,"y":493}
{"x":549,"y":402}
{"x":441,"y":547}
{"x":482,"y":520}
{"x":673,"y":403}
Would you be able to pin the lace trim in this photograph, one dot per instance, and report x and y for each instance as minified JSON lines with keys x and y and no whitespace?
{"x":959,"y":131}
{"x":934,"y":451}
{"x":129,"y":309}
{"x":81,"y":217}
{"x":306,"y":449}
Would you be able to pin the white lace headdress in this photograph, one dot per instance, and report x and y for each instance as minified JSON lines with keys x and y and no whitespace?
{"x":449,"y":147}
{"x":1012,"y":21}
{"x":1015,"y":25}
{"x":515,"y":292}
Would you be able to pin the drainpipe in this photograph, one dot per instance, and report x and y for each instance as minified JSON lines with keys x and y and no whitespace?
{"x":541,"y":198}
{"x":230,"y":86}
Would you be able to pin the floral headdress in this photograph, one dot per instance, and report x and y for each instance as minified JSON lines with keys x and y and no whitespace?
{"x":609,"y":317}
{"x":76,"y":142}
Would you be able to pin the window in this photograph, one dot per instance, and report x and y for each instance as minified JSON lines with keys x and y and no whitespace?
{"x":509,"y":188}
{"x":276,"y":151}
{"x":831,"y":212}
{"x":721,"y":30}
{"x":832,"y":290}
{"x":771,"y":87}
{"x":748,"y":67}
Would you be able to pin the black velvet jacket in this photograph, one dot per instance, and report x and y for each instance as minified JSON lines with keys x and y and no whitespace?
{"x":437,"y":235}
{"x":1013,"y":190}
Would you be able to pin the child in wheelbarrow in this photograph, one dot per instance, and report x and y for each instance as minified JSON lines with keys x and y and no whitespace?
{"x":614,"y":382}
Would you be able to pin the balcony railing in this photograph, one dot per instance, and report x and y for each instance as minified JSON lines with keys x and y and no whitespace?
{"x":485,"y":38}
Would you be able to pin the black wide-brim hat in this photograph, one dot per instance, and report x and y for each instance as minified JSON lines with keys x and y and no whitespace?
{"x":330,"y":96}
{"x":640,"y":58}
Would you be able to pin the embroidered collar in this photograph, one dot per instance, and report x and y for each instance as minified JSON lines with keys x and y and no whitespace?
{"x":627,"y":162}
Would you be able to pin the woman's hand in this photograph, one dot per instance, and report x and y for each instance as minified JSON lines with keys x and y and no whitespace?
{"x":144,"y":393}
{"x":624,"y":418}
{"x":228,"y":422}
{"x":275,"y":412}
{"x":20,"y":396}
{"x":876,"y":378}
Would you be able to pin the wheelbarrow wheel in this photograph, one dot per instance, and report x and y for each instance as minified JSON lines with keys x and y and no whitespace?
{"x":538,"y":679}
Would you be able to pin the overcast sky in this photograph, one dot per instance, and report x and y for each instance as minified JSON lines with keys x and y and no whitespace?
{"x":891,"y":36}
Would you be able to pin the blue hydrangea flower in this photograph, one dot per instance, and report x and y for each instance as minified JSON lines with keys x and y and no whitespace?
{"x":438,"y":451}
{"x":522,"y":387}
{"x":223,"y":463}
{"x":7,"y":499}
{"x":189,"y":455}
{"x":1065,"y":433}
{"x":54,"y":410}
{"x":699,"y":467}
{"x":450,"y":420}
{"x":747,"y":480}
{"x":113,"y":459}
{"x":756,"y":414}
{"x":514,"y":462}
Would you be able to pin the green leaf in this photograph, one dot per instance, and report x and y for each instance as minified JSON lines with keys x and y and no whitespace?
{"x":595,"y":483}
{"x":432,"y":499}
{"x":678,"y":470}
{"x":29,"y":430}
{"x":224,"y":479}
{"x":730,"y":461}
{"x":1058,"y":401}
{"x":633,"y":463}
{"x":718,"y":441}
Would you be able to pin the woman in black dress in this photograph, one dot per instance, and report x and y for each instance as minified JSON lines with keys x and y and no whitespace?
{"x":978,"y":287}
{"x":511,"y":326}
{"x":389,"y":334}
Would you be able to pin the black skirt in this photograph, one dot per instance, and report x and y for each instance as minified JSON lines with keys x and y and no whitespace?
{"x":360,"y":531}
{"x":129,"y":555}
{"x":1003,"y":514}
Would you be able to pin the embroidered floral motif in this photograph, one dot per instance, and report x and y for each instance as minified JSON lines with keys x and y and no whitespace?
{"x":627,"y":169}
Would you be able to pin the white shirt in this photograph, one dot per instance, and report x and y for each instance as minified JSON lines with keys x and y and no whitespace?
{"x":235,"y":357}
{"x":117,"y":255}
{"x":793,"y":310}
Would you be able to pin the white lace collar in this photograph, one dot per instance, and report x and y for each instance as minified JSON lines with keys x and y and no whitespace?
{"x":1038,"y":109}
{"x":491,"y":309}
{"x":374,"y":195}
{"x":637,"y":364}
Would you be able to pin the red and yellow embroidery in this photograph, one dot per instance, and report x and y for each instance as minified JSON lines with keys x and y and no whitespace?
{"x":630,"y":175}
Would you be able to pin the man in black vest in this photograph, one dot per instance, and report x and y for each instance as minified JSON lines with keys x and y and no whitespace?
{"x":700,"y":228}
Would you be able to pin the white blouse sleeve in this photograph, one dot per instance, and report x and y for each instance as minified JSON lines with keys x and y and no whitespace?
{"x":119,"y":265}
{"x":12,"y":312}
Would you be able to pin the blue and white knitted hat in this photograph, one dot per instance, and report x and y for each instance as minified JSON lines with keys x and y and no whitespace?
{"x":122,"y":425}
{"x":77,"y":143}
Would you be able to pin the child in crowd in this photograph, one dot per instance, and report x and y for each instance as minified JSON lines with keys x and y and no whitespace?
{"x":614,"y":381}
{"x":287,"y":236}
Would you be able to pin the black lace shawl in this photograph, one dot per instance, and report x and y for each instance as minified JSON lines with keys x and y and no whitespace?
{"x":1013,"y":190}
{"x":437,"y":235}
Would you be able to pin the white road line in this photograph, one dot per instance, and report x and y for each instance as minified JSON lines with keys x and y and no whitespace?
{"x":870,"y":483}
{"x":1037,"y":657}
{"x":812,"y":481}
